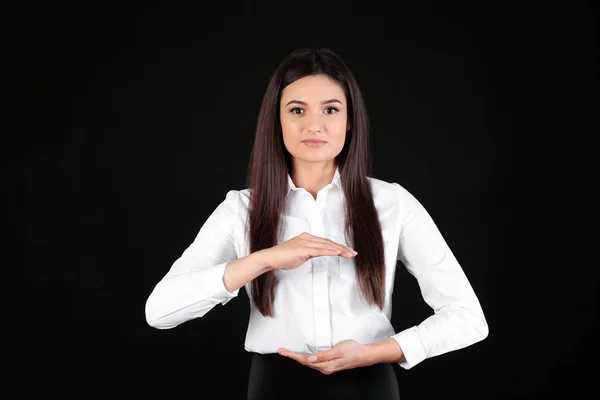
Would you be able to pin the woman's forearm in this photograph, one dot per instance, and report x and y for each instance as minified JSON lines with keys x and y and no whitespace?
{"x":384,"y":351}
{"x":244,"y":269}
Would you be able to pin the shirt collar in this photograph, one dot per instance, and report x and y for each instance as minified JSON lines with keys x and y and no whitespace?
{"x":335,"y":181}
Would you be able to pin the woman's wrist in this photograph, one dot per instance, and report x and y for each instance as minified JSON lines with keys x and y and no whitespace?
{"x":262,"y":261}
{"x":384,"y":351}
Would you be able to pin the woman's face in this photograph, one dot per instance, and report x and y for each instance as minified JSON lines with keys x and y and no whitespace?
{"x":313,"y":108}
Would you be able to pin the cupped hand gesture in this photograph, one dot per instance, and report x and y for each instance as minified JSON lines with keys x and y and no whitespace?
{"x":299,"y":249}
{"x":347,"y":354}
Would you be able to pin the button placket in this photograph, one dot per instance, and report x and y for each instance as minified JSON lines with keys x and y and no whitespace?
{"x":320,"y":287}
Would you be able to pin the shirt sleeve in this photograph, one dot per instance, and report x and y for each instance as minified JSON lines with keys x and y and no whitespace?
{"x":458,"y":320}
{"x":194,"y":283}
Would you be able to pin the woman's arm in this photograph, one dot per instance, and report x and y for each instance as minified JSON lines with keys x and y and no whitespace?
{"x":207,"y":273}
{"x":458,"y":320}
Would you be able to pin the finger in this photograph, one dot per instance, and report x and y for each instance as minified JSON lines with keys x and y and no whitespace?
{"x":315,"y":251}
{"x":326,"y":367}
{"x":300,"y":357}
{"x":340,"y":244}
{"x":323,"y":240}
{"x":329,"y":367}
{"x":328,"y":241}
{"x":316,"y":245}
{"x":322,"y":356}
{"x":347,"y":248}
{"x":283,"y":351}
{"x":346,"y":252}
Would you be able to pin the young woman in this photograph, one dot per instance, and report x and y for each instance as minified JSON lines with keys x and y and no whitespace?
{"x":315,"y":240}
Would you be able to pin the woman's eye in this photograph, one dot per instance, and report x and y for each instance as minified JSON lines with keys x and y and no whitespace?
{"x":331,"y":110}
{"x":297,"y":110}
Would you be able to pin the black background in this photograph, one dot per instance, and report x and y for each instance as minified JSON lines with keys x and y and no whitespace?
{"x":136,"y":120}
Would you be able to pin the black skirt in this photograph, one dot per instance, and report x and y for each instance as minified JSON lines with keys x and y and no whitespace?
{"x":273,"y":376}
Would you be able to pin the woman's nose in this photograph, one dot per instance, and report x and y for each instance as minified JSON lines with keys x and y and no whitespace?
{"x":314,"y":123}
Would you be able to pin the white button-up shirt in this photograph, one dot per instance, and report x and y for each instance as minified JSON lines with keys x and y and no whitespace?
{"x":319,"y":303}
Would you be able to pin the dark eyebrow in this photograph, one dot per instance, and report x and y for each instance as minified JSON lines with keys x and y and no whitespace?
{"x":304,"y":103}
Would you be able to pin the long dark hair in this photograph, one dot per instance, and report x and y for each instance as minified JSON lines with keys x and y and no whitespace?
{"x":270,"y":163}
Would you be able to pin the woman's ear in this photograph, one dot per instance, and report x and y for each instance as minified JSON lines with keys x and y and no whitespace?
{"x":348,"y":126}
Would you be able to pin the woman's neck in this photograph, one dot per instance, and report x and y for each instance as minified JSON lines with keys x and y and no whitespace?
{"x":313,"y":176}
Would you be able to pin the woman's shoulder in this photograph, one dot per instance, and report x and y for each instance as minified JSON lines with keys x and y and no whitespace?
{"x":233,"y":208}
{"x":385,"y":188}
{"x":245,"y":193}
{"x":241,"y":197}
{"x":388,"y":194}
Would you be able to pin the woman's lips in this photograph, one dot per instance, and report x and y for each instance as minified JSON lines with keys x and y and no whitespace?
{"x":314,"y":143}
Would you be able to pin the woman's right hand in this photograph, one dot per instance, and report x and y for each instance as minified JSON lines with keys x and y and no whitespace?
{"x":298,"y":250}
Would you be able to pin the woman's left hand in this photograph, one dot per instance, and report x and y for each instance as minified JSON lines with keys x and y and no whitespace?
{"x":346,"y":354}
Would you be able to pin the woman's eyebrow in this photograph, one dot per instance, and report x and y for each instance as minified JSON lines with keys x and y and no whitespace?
{"x":304,"y":103}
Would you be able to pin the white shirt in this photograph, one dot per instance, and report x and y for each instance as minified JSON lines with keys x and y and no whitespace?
{"x":318,"y":304}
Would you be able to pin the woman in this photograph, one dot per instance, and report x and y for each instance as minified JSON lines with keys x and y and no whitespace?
{"x":314,"y":240}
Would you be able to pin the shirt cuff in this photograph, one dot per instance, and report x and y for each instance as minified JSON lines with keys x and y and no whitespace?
{"x":412,"y":347}
{"x":214,"y":279}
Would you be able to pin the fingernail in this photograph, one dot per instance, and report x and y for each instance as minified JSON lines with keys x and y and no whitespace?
{"x":312,"y":358}
{"x":281,"y":353}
